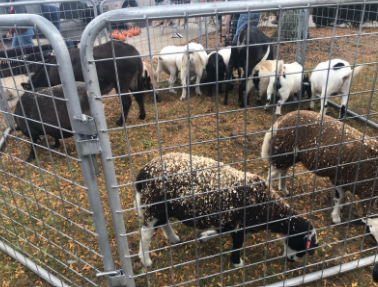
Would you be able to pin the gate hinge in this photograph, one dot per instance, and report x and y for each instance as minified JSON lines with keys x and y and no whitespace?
{"x":117,"y":278}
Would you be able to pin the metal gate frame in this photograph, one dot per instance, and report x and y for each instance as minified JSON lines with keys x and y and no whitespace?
{"x":194,"y":10}
{"x":85,"y":128}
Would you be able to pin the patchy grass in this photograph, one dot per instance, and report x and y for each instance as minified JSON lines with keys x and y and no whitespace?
{"x":203,"y":126}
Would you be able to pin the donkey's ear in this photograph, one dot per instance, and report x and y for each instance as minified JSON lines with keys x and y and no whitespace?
{"x":26,"y":86}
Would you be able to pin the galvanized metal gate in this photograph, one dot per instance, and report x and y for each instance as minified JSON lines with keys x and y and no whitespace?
{"x":70,"y":227}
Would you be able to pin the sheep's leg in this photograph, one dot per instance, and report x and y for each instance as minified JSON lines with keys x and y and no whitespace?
{"x":282,"y":182}
{"x":272,"y":174}
{"x":313,"y":96}
{"x":324,"y":103}
{"x":282,"y":99}
{"x":183,"y":83}
{"x":171,"y":81}
{"x":126,"y":104}
{"x":198,"y":81}
{"x":147,"y":232}
{"x":238,"y":240}
{"x":241,"y":90}
{"x":210,"y":91}
{"x":344,"y":101}
{"x":34,"y":139}
{"x":140,"y":100}
{"x":339,"y":196}
{"x":57,"y":143}
{"x":170,"y":234}
{"x":268,"y":98}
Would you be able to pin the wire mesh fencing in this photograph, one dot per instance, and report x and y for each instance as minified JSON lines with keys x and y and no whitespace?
{"x":250,"y":191}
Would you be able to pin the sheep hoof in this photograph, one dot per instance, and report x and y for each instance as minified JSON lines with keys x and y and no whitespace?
{"x":207,"y":235}
{"x":242,"y":105}
{"x":237,"y":265}
{"x":199,"y":94}
{"x":266,"y":108}
{"x":119,"y":123}
{"x":147,"y":263}
{"x":336,"y":219}
{"x":29,"y":159}
{"x":225,"y":103}
{"x":278,"y":115}
{"x":182,"y":98}
{"x":284,"y":192}
{"x":142,"y":116}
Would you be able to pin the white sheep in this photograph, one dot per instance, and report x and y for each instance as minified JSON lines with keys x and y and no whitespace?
{"x":288,"y":82}
{"x":298,"y":136}
{"x":179,"y":186}
{"x":339,"y":77}
{"x":197,"y":67}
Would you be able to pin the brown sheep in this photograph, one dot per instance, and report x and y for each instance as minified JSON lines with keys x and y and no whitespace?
{"x":305,"y":151}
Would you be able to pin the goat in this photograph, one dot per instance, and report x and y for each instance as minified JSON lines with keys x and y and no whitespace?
{"x":197,"y":67}
{"x":339,"y":76}
{"x":130,"y":71}
{"x":290,"y":83}
{"x":49,"y":123}
{"x":256,"y":54}
{"x":150,"y":202}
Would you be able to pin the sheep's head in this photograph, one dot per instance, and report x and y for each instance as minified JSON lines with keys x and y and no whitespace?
{"x":296,"y":246}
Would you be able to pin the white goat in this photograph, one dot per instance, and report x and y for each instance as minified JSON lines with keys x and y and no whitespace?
{"x":197,"y":66}
{"x":340,"y":76}
{"x":288,"y":82}
{"x":170,"y":64}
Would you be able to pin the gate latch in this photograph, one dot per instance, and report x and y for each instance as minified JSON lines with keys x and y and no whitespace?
{"x":116,"y":278}
{"x":91,"y":144}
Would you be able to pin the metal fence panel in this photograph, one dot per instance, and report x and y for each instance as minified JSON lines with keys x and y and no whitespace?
{"x":52,"y":219}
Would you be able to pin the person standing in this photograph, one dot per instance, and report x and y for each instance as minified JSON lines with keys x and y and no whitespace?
{"x":20,"y":36}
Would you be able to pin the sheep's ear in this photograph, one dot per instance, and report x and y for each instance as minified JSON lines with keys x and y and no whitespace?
{"x":26,"y":86}
{"x":145,"y":74}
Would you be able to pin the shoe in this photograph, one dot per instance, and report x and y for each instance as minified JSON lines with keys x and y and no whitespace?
{"x":174,"y":35}
{"x":178,"y":34}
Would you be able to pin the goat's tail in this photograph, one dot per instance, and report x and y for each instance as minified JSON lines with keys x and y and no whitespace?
{"x":357,"y":70}
{"x":265,"y":149}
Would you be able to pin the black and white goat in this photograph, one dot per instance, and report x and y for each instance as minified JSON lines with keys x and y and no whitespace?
{"x":211,"y":68}
{"x":339,"y":77}
{"x":179,"y":186}
{"x":289,"y":81}
{"x":259,"y":49}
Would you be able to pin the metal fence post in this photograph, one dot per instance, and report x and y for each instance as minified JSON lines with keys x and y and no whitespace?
{"x":77,"y":122}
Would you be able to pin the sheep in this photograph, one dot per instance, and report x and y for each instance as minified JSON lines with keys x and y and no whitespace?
{"x":170,"y":63}
{"x":197,"y":67}
{"x":290,"y":83}
{"x":129,"y":71}
{"x":307,"y":138}
{"x":178,"y":189}
{"x":147,"y":79}
{"x":256,"y":54}
{"x":339,"y":77}
{"x":47,"y":111}
{"x":223,"y":59}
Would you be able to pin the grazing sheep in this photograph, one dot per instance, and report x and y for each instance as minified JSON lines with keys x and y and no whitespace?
{"x":256,"y":54}
{"x":129,"y":71}
{"x":223,"y":59}
{"x":170,"y":63}
{"x":179,"y":186}
{"x":197,"y":67}
{"x":283,"y":141}
{"x":147,"y":79}
{"x":290,"y":83}
{"x":49,"y":118}
{"x":340,"y":76}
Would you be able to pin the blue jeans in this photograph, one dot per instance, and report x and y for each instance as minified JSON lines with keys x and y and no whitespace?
{"x":243,"y":20}
{"x":52,"y":13}
{"x":25,"y":38}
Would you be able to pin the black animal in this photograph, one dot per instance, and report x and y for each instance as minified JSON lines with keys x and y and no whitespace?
{"x":47,"y":111}
{"x":256,"y":54}
{"x":129,"y":70}
{"x":211,"y":72}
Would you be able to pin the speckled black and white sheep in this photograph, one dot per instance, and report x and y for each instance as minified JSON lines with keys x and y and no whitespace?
{"x":179,"y":186}
{"x":283,"y":142}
